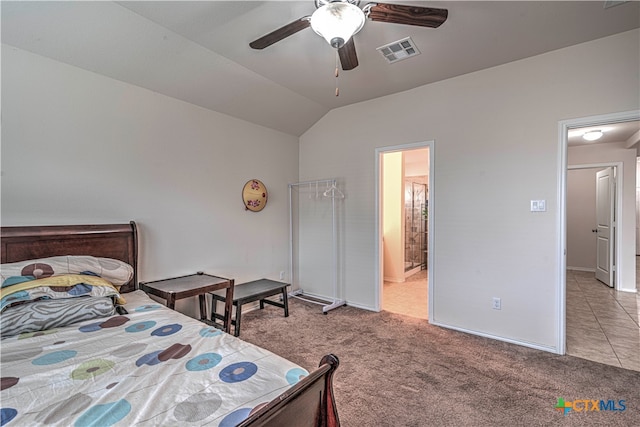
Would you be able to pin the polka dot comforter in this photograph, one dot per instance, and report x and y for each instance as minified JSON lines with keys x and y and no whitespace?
{"x":149,"y":367}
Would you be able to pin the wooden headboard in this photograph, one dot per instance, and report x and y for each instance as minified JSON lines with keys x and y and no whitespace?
{"x":117,"y":241}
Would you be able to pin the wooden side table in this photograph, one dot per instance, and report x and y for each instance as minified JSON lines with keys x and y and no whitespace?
{"x":198,"y":284}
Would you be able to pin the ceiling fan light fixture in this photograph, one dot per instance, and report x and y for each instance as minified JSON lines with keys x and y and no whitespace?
{"x":592,"y":135}
{"x":337,"y":22}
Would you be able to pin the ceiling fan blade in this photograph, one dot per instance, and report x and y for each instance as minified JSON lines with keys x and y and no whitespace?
{"x":348,"y":57}
{"x":408,"y":15}
{"x":281,"y":33}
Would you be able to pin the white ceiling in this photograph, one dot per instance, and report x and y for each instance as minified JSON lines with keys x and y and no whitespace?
{"x":626,"y":134}
{"x":199,"y":51}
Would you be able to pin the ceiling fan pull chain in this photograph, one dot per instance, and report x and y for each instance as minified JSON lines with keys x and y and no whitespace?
{"x":337,"y":74}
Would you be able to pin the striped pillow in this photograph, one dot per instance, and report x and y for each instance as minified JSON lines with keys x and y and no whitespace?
{"x":47,"y":314}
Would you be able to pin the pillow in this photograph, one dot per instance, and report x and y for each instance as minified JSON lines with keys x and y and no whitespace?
{"x":58,"y":287}
{"x":46,"y":314}
{"x":113,"y":270}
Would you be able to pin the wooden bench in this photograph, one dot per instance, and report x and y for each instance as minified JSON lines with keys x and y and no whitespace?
{"x":245,"y":293}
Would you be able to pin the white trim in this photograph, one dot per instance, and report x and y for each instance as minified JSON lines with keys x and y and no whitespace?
{"x":588,"y":270}
{"x":413,"y":271}
{"x":595,"y":165}
{"x":378,"y":233}
{"x":561,"y":288}
{"x":362,"y":306}
{"x":496,"y":337}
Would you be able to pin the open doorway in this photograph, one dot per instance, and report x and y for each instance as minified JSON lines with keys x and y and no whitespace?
{"x":600,"y":318}
{"x":593,"y":206}
{"x":615,"y":149}
{"x":404,"y":196}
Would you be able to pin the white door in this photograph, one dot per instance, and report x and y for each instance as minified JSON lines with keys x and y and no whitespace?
{"x":605,"y":197}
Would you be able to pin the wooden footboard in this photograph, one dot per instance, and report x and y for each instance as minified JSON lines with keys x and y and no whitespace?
{"x":309,"y":403}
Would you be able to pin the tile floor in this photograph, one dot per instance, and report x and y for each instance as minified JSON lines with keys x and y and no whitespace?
{"x":408,"y":298}
{"x":602,"y":324}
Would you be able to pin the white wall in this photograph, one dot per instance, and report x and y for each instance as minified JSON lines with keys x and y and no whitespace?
{"x":416,"y":163}
{"x":78,"y":147}
{"x":581,"y":219}
{"x":496,"y":148}
{"x":599,"y":153}
{"x":393,"y":216}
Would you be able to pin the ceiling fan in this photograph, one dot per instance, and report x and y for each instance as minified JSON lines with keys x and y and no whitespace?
{"x":338,"y":20}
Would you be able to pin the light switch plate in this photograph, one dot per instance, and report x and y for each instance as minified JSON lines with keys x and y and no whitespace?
{"x":538,"y":205}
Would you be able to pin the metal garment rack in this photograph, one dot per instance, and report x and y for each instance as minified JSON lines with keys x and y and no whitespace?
{"x":331,"y":192}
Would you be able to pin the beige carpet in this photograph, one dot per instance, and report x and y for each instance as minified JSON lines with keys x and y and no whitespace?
{"x":400,"y":371}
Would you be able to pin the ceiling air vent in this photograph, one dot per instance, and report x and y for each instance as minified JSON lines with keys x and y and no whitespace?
{"x":397,"y":51}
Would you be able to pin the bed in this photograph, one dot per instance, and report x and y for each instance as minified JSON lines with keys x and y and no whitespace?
{"x":140,"y":363}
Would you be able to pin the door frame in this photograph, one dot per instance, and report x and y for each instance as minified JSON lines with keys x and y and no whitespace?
{"x":561,"y":290}
{"x":618,"y":168}
{"x":379,"y":258}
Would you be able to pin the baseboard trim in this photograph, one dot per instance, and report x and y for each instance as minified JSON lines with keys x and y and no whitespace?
{"x":550,"y":349}
{"x":329,"y":303}
{"x":362,"y":307}
{"x":413,"y":271}
{"x":589,"y":270}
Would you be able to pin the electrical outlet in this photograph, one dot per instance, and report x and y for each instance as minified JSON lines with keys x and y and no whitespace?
{"x":497,"y":303}
{"x":282,"y":275}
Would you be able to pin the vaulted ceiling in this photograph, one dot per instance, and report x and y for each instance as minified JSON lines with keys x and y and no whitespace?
{"x":199,"y":51}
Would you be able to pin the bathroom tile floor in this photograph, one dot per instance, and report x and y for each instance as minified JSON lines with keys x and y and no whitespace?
{"x":408,"y":298}
{"x":603,"y":325}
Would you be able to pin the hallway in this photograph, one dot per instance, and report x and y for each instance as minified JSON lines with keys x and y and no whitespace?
{"x":603,"y":325}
